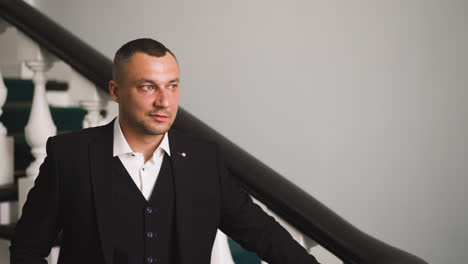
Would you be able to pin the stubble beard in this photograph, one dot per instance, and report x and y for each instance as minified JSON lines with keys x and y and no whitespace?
{"x":150,"y":130}
{"x":147,"y":127}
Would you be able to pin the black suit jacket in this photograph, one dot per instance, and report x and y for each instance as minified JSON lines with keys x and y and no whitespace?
{"x":72,"y":194}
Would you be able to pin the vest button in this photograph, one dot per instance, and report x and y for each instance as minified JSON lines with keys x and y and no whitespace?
{"x":149,"y":210}
{"x":149,"y":260}
{"x":149,"y":234}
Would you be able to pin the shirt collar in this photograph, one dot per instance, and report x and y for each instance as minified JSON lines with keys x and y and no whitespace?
{"x":121,"y":145}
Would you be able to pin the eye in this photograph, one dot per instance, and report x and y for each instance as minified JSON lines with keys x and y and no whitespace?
{"x":147,"y":87}
{"x":173,"y":86}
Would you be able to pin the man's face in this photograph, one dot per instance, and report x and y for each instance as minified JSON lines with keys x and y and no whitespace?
{"x":147,"y":90}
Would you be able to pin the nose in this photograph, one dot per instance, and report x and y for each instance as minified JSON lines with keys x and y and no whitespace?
{"x":161,"y":99}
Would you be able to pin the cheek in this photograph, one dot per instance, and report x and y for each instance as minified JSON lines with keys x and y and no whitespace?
{"x":134,"y":104}
{"x":175,"y":99}
{"x":140,"y":101}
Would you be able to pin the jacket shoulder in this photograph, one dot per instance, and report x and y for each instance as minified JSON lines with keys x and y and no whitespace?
{"x":82,"y":136}
{"x":181,"y":140}
{"x":189,"y":138}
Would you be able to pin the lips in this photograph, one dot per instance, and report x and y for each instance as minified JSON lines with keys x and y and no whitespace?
{"x":159,"y":117}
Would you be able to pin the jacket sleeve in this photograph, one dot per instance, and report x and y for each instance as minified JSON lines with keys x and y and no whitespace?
{"x":253,"y":229}
{"x":37,"y":229}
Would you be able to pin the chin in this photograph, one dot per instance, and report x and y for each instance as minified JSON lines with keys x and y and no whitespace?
{"x":156,"y":131}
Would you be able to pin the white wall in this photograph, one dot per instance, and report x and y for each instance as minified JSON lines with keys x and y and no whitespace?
{"x":361,"y":103}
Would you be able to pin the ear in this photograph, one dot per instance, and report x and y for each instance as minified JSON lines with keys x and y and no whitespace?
{"x":114,"y":90}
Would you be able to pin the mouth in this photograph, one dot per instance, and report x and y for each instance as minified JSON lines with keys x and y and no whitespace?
{"x":159,"y":117}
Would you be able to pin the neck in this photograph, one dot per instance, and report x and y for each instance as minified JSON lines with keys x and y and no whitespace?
{"x":140,"y":142}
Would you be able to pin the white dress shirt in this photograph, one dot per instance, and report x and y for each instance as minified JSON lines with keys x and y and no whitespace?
{"x":143,"y":174}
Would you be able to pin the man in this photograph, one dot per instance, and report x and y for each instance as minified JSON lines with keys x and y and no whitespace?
{"x":134,"y":191}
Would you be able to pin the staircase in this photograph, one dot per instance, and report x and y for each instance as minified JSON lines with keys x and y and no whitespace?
{"x":307,"y":220}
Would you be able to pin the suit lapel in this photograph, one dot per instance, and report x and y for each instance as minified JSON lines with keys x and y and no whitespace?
{"x":100,"y":159}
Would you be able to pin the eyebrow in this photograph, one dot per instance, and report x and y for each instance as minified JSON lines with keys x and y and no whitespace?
{"x":143,"y":80}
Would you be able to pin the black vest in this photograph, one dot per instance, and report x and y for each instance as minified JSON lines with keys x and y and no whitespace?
{"x":143,"y":230}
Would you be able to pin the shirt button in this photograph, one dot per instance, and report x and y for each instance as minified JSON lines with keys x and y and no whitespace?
{"x":143,"y":169}
{"x":149,"y":234}
{"x":149,"y":260}
{"x":149,"y":210}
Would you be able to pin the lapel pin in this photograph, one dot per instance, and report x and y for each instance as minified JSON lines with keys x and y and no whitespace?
{"x":183,"y":154}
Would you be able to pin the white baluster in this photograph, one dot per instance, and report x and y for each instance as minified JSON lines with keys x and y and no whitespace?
{"x":3,"y":96}
{"x":40,"y":125}
{"x":3,"y":89}
{"x":39,"y":128}
{"x":221,"y":254}
{"x":112,"y":109}
{"x":96,"y":101}
{"x":93,"y":117}
{"x":321,"y":254}
{"x":85,"y":94}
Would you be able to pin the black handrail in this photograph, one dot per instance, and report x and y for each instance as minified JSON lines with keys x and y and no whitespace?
{"x":284,"y":198}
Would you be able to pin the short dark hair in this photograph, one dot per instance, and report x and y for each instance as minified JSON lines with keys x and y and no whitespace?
{"x":145,"y":45}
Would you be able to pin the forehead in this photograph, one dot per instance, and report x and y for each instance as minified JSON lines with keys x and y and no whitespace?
{"x":158,"y":69}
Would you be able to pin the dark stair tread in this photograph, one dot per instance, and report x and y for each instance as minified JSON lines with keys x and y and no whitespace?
{"x":23,"y":89}
{"x":16,"y":104}
{"x":15,"y":118}
{"x":15,"y":134}
{"x":241,"y":255}
{"x":19,"y":90}
{"x":8,"y":192}
{"x":53,"y":85}
{"x":21,"y":134}
{"x":19,"y":173}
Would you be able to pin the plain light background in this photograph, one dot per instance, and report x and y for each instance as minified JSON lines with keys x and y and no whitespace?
{"x":361,"y":103}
